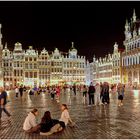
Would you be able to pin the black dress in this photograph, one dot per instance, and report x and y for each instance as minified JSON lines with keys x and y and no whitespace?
{"x":46,"y":126}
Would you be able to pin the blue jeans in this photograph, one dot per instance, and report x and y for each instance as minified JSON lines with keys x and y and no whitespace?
{"x":4,"y":109}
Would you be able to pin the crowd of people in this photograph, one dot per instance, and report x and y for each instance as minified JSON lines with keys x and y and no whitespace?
{"x":93,"y":95}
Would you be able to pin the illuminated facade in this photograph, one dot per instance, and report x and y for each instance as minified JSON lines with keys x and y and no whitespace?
{"x":30,"y":68}
{"x":7,"y":65}
{"x":56,"y":76}
{"x":116,"y":63}
{"x":107,"y":69}
{"x":18,"y":64}
{"x":44,"y":66}
{"x":31,"y":71}
{"x":74,"y":67}
{"x":88,"y":74}
{"x":131,"y":55}
{"x":94,"y":66}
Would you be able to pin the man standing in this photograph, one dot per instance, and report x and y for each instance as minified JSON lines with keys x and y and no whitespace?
{"x":91,"y":92}
{"x":106,"y":93}
{"x":21,"y":91}
{"x":74,"y":89}
{"x":3,"y":102}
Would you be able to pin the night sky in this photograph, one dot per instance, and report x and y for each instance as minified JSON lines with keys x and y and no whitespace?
{"x":93,"y":26}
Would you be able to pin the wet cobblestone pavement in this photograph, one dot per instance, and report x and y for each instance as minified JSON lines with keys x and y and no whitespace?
{"x":101,"y":122}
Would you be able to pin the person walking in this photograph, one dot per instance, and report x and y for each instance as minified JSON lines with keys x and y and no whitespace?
{"x":91,"y":92}
{"x":58,"y":94}
{"x":21,"y":91}
{"x":97,"y":94}
{"x":102,"y":92}
{"x":74,"y":89}
{"x":53,"y":92}
{"x":84,"y":94}
{"x":120,"y":90}
{"x":17,"y":91}
{"x":3,"y":102}
{"x":105,"y":93}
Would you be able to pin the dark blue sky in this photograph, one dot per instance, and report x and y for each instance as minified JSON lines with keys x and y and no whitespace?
{"x":93,"y":26}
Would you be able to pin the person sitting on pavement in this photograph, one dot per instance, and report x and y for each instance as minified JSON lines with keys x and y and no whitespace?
{"x":30,"y":125}
{"x":49,"y":125}
{"x":55,"y":125}
{"x":65,"y":117}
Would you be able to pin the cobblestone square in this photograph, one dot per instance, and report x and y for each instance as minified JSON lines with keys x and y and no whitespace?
{"x":101,"y":122}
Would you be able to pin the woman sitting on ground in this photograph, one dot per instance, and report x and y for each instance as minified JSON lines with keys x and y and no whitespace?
{"x":49,"y":125}
{"x":30,"y":124}
{"x":65,"y":117}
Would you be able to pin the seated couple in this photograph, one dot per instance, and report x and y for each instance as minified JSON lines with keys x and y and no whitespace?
{"x":48,"y":125}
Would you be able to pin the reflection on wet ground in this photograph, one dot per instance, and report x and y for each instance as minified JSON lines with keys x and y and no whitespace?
{"x":109,"y":121}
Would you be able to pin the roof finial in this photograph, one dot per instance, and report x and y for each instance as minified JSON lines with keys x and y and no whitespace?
{"x":72,"y":43}
{"x":5,"y":45}
{"x":134,"y":16}
{"x":126,"y":24}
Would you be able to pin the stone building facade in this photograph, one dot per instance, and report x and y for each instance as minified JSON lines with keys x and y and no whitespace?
{"x":32,"y":68}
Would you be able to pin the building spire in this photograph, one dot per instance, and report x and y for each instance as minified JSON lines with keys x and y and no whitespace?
{"x":134,"y":16}
{"x":126,"y":25}
{"x":72,"y":43}
{"x":115,"y":47}
{"x":5,"y":45}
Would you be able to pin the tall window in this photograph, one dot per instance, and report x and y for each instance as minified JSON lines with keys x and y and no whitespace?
{"x":35,"y":74}
{"x":26,"y":74}
{"x":31,"y":74}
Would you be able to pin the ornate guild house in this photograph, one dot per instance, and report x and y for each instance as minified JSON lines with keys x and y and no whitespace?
{"x":31,"y":68}
{"x":131,"y":55}
{"x":121,"y":66}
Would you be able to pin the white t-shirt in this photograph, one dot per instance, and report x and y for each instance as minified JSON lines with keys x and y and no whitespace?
{"x":65,"y":116}
{"x":29,"y":122}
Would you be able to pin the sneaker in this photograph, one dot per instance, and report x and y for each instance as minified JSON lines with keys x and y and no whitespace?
{"x":46,"y":134}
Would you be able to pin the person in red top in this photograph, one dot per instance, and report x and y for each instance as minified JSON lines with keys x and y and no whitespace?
{"x":58,"y":93}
